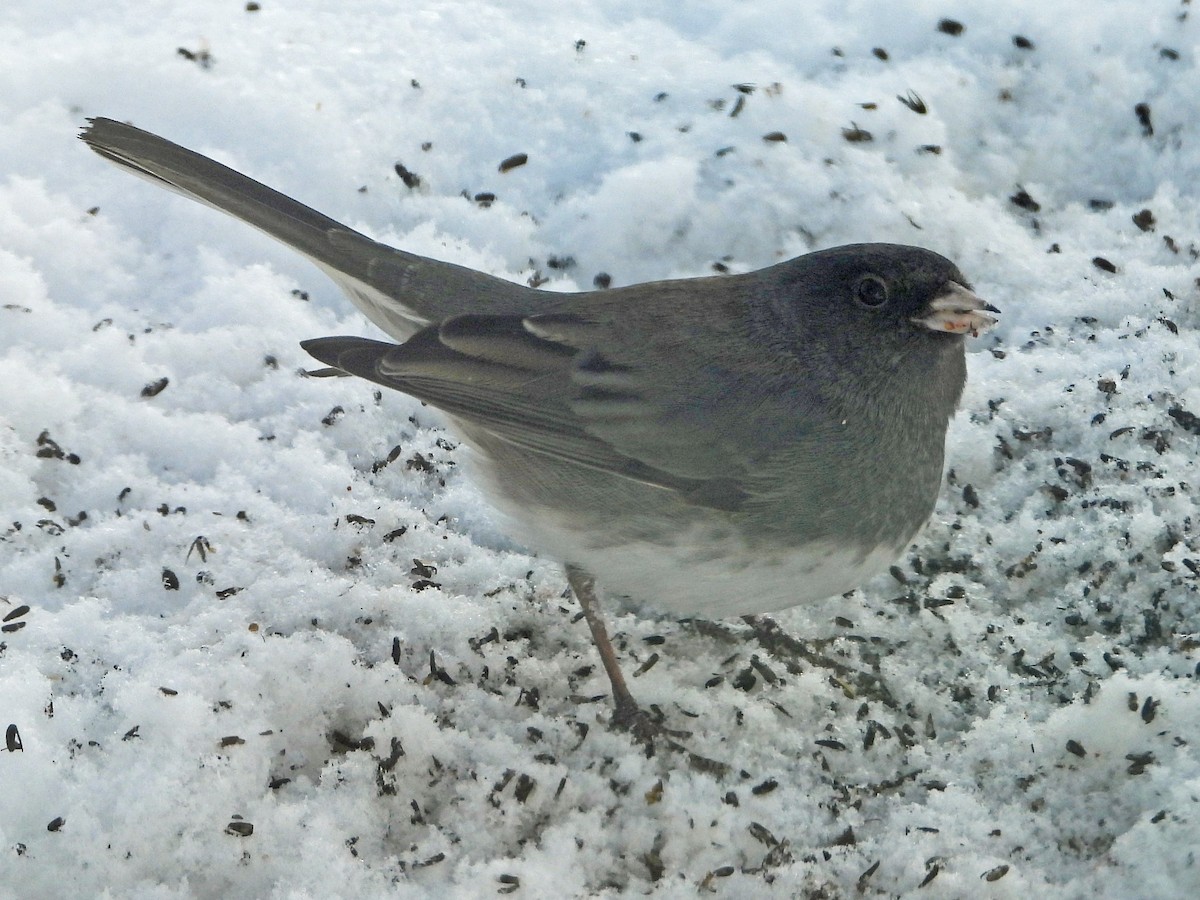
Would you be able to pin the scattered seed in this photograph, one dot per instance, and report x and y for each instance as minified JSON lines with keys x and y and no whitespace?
{"x":524,"y":787}
{"x":856,"y":135}
{"x":1142,"y":111}
{"x":514,"y":161}
{"x":845,"y":839}
{"x":866,"y":875}
{"x":913,"y":102}
{"x":411,"y":179}
{"x":931,"y":873}
{"x":1144,"y":219}
{"x":1022,"y":199}
{"x":154,"y":388}
{"x":1150,"y":710}
{"x":646,"y":666}
{"x":764,"y":787}
{"x":995,"y":874}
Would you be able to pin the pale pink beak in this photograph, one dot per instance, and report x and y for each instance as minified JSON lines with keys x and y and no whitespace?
{"x":957,"y":310}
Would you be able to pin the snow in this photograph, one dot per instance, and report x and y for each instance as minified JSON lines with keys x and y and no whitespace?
{"x":261,"y":622}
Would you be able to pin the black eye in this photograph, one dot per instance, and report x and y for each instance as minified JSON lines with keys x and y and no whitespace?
{"x":871,"y":290}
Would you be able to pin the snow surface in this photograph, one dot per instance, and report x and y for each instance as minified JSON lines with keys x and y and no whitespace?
{"x":268,"y":662}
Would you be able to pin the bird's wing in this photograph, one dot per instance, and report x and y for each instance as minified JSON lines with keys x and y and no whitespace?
{"x":542,"y":384}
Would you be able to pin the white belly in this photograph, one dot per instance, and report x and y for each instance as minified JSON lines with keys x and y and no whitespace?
{"x":719,"y":577}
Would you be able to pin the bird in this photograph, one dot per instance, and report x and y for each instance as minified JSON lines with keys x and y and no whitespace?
{"x":716,"y":446}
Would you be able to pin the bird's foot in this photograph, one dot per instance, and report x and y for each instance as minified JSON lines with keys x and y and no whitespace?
{"x":647,"y":727}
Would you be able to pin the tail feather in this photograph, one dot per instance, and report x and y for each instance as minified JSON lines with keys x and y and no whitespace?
{"x":400,"y":292}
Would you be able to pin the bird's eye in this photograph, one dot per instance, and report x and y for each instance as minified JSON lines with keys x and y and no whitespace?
{"x":871,"y":290}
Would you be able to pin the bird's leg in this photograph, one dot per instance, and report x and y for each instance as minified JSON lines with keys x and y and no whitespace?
{"x":627,"y":715}
{"x":583,"y":584}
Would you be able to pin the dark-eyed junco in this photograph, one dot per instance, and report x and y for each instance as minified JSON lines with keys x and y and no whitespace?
{"x":710,"y":446}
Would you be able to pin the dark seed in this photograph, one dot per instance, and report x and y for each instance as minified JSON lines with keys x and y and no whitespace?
{"x":951,"y":27}
{"x":759,"y":832}
{"x":867,"y":873}
{"x":1076,"y":748}
{"x":239,"y":828}
{"x":1142,"y":111}
{"x":1022,"y":43}
{"x":913,"y":102}
{"x":646,"y":666}
{"x":1149,"y":710}
{"x":1022,"y":199}
{"x":765,"y":787}
{"x":154,"y":388}
{"x":411,"y":179}
{"x":846,"y":838}
{"x":517,"y":159}
{"x":931,"y":874}
{"x":1101,"y":263}
{"x":524,"y":788}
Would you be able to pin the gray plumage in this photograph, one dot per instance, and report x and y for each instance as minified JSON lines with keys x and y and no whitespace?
{"x":718,"y":445}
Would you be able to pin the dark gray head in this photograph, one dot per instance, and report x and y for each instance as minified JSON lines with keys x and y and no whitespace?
{"x":907,"y":294}
{"x":878,"y":317}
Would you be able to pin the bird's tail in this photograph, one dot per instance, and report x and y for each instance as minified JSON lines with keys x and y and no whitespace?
{"x":400,"y":292}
